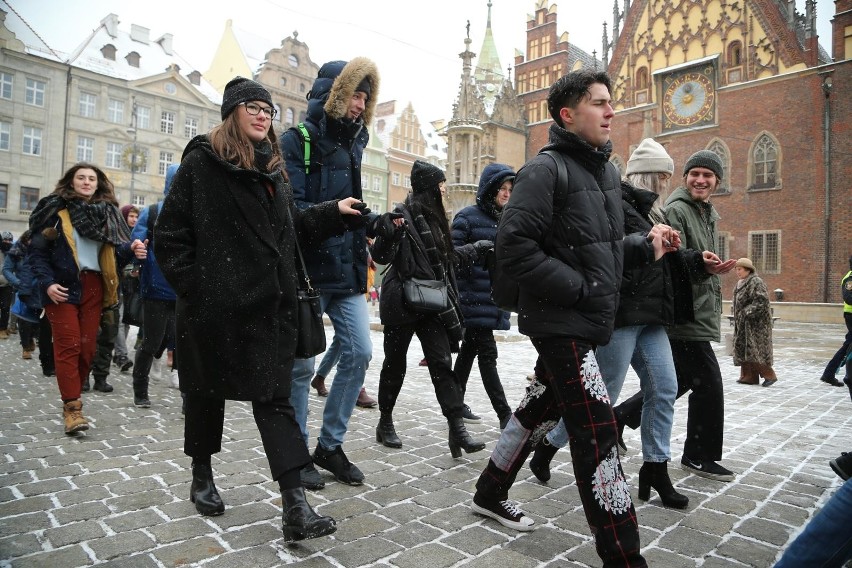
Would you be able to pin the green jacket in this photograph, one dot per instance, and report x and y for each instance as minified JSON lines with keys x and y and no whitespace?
{"x":696,"y":223}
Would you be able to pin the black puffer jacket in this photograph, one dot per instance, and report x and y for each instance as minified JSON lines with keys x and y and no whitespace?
{"x":567,"y":263}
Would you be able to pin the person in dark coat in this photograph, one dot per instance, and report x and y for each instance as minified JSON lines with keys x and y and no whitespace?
{"x":481,"y":316}
{"x":19,"y":276}
{"x":422,"y":248}
{"x":225,"y":241}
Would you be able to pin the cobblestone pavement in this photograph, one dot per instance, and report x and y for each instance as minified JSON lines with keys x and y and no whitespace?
{"x":118,"y":494}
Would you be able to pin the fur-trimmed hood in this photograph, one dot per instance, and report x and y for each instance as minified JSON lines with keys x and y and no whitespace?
{"x":336,"y":83}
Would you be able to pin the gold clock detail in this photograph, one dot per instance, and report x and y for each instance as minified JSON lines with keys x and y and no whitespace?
{"x":689,"y":100}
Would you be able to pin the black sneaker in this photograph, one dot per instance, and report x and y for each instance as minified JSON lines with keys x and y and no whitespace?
{"x":337,"y":463}
{"x":506,"y":513}
{"x":142,"y":401}
{"x":708,"y":469}
{"x":311,"y":478}
{"x":126,"y":365}
{"x":842,"y":465}
{"x":469,"y":417}
{"x":831,"y":381}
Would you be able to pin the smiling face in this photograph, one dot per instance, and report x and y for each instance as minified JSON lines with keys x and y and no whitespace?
{"x":701,"y":183}
{"x":85,"y":182}
{"x":503,"y":194}
{"x":357,"y":104}
{"x":591,"y":119}
{"x":256,"y":126}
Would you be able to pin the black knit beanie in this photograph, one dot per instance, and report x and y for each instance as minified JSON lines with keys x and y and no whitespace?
{"x":705,"y":159}
{"x":241,"y":90}
{"x":365,"y":87}
{"x":425,"y":176}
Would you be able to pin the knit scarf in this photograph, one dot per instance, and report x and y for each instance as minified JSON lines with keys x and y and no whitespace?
{"x":101,"y":221}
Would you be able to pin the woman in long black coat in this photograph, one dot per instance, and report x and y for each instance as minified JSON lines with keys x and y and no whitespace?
{"x":225,"y":240}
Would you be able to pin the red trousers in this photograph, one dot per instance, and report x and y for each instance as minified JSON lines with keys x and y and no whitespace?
{"x":75,"y":332}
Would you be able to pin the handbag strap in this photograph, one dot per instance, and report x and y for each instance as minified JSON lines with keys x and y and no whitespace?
{"x":299,"y":250}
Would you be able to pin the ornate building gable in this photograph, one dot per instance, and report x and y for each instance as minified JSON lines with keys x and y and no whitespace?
{"x":508,"y":108}
{"x":288,"y":73}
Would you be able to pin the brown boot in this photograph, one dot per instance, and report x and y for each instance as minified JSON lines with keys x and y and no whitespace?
{"x":73,"y":414}
{"x":28,"y":354}
{"x":365,"y":400}
{"x":318,"y":383}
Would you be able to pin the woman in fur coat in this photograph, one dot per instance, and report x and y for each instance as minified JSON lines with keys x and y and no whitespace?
{"x":752,"y":327}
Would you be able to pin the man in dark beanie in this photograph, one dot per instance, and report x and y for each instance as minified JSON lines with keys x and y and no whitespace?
{"x":240,"y":90}
{"x":341,"y":104}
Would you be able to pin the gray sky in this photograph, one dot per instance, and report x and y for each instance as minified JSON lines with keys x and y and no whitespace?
{"x":415,"y":44}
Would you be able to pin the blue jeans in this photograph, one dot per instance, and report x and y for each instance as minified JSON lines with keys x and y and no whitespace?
{"x":826,"y":540}
{"x":351,"y":322}
{"x":329,"y":358}
{"x":647,"y":348}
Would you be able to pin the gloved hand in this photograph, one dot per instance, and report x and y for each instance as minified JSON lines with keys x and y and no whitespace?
{"x":355,"y":222}
{"x":482,"y":247}
{"x":383,"y":226}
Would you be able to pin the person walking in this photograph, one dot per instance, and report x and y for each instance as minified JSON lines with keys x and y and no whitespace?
{"x":481,"y":316}
{"x":225,"y":241}
{"x":158,"y":326}
{"x":560,"y":238}
{"x":422,"y":248}
{"x":326,"y":164}
{"x":7,"y":292}
{"x":836,"y":362}
{"x":79,"y":239}
{"x":19,"y":277}
{"x":120,"y":355}
{"x":752,"y":327}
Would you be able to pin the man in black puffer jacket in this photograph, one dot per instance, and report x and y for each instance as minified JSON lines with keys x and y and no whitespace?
{"x":563,"y":242}
{"x":481,"y":316}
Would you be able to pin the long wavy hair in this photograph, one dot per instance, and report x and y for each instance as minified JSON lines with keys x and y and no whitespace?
{"x":429,"y":204}
{"x":232,"y":145}
{"x":104,"y":192}
{"x":652,"y":182}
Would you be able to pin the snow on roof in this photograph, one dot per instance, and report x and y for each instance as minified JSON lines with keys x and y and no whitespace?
{"x":254,"y":47}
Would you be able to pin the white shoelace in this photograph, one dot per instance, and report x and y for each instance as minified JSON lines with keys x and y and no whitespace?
{"x":512,"y":508}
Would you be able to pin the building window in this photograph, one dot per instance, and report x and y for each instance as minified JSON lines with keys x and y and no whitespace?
{"x":764,"y":250}
{"x":764,"y":163}
{"x":735,"y":54}
{"x":167,"y":122}
{"x":365,"y":181}
{"x":723,"y":247}
{"x":138,"y":200}
{"x":277,"y":108}
{"x":142,"y":161}
{"x":377,"y":183}
{"x":85,"y":149}
{"x":718,"y":147}
{"x":6,"y":86}
{"x":115,"y":111}
{"x":406,"y":182}
{"x":132,"y":59}
{"x":143,"y":117}
{"x":5,"y":136}
{"x":88,"y":104}
{"x":289,"y":115}
{"x":108,"y":51}
{"x":190,"y":128}
{"x":4,"y":197}
{"x":32,"y":141}
{"x":396,"y":178}
{"x":29,"y":198}
{"x":113,"y":155}
{"x":166,"y":159}
{"x":35,"y":92}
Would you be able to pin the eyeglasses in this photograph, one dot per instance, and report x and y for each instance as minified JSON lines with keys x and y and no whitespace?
{"x":254,"y":110}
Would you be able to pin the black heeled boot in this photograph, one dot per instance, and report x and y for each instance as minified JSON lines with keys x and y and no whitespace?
{"x":540,"y":462}
{"x":460,"y":439}
{"x":203,"y":492}
{"x":656,"y":475}
{"x":299,"y":520}
{"x":386,"y":433}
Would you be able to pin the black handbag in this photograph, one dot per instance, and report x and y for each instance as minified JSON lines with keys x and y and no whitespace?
{"x":134,"y":312}
{"x":310,"y":330}
{"x":422,"y":295}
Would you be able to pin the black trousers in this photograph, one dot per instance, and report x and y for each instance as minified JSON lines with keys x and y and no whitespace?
{"x":479,"y":343}
{"x":157,"y":329}
{"x":276,"y":421}
{"x":7,"y":298}
{"x":106,"y":343}
{"x":698,"y":374}
{"x":839,"y":357}
{"x":436,"y":349}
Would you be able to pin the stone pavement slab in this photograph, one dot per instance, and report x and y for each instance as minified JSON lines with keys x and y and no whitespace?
{"x":117,"y":495}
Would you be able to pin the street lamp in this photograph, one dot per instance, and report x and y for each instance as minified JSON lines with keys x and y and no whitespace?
{"x":132,"y":130}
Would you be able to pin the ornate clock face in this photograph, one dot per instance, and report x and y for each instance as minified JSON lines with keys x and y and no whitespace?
{"x":688,"y":100}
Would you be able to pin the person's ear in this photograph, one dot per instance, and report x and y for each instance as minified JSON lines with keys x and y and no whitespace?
{"x":566,"y":114}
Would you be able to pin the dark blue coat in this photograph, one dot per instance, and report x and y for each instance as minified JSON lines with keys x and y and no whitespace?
{"x":475,"y":223}
{"x":152,"y":283}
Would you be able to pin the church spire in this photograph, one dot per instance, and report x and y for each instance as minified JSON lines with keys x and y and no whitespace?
{"x":488,"y":68}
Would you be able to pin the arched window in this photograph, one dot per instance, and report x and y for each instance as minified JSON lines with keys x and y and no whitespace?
{"x":718,"y":147}
{"x":277,"y":112}
{"x":642,"y":78}
{"x":108,"y":51}
{"x":288,"y":116}
{"x":764,"y":163}
{"x":735,"y":54}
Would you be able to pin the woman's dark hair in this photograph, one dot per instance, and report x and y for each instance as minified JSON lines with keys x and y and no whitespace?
{"x":232,"y":145}
{"x":104,"y":192}
{"x":570,"y":89}
{"x":431,"y":206}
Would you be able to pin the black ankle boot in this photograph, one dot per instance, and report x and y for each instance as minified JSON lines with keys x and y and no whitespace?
{"x":656,"y":475}
{"x":203,"y":492}
{"x":540,"y":462}
{"x":299,"y":520}
{"x":102,"y":385}
{"x":460,"y":439}
{"x":386,"y":433}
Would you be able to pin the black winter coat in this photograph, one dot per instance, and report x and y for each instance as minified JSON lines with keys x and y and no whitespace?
{"x":226,"y":246}
{"x":568,"y":263}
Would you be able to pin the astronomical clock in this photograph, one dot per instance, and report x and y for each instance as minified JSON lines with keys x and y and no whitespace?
{"x":689,"y":97}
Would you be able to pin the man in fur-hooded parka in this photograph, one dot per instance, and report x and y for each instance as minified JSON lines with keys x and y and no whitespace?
{"x":339,"y":264}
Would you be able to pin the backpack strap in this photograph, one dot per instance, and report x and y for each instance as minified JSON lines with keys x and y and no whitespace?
{"x":303,"y":131}
{"x":561,"y":179}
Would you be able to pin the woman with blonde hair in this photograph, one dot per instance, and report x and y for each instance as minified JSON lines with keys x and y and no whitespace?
{"x":752,"y":327}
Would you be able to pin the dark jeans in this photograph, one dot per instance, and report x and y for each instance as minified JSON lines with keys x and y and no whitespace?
{"x":106,"y":342}
{"x":28,"y":331}
{"x":276,"y":421}
{"x":697,"y":373}
{"x":7,"y":296}
{"x":45,"y":345}
{"x":157,"y":330}
{"x":479,"y":342}
{"x":839,"y":357}
{"x":575,"y":392}
{"x":436,"y":348}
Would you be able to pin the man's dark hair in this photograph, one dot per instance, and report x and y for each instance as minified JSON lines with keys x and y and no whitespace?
{"x":570,"y":89}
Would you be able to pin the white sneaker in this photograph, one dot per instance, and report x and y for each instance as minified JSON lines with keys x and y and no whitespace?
{"x":174,"y":382}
